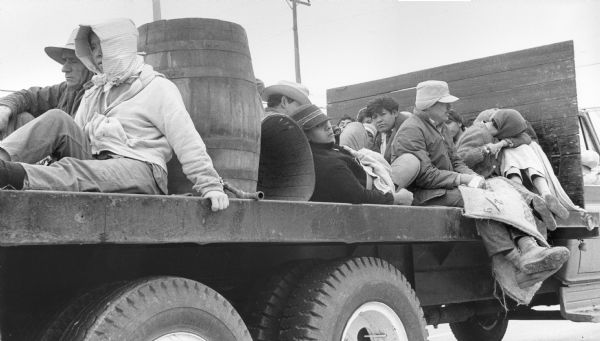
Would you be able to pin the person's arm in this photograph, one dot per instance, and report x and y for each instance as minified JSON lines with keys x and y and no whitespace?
{"x":472,"y":148}
{"x":178,"y":127}
{"x":518,"y":140}
{"x":344,"y":187}
{"x":35,"y":100}
{"x":412,"y":141}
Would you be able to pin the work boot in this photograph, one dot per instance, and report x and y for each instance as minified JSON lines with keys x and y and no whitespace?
{"x":531,"y":258}
{"x":526,"y":280}
{"x":556,"y":207}
{"x":12,"y":175}
{"x":540,"y":206}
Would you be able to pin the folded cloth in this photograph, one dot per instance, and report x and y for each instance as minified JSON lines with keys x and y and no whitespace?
{"x":376,"y":167}
{"x":503,"y":203}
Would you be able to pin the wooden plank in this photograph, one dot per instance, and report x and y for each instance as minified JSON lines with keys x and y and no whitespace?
{"x":509,"y":98}
{"x":53,"y":218}
{"x":453,"y":72}
{"x":59,"y":218}
{"x":561,"y":109}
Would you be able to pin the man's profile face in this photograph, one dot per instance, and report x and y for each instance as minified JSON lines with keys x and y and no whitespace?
{"x":75,"y":72}
{"x":322,"y":133}
{"x":439,"y":112}
{"x":385,"y":120}
{"x":288,"y":105}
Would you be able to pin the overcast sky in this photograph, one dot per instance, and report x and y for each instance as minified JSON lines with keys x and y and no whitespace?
{"x":341,"y":41}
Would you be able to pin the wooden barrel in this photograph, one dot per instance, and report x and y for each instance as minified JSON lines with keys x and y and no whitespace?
{"x":209,"y":61}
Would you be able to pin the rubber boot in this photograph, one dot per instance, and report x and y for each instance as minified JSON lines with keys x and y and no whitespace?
{"x":556,"y":207}
{"x":531,"y":258}
{"x":12,"y":175}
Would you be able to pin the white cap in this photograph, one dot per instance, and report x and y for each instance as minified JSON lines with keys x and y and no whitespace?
{"x":430,"y":92}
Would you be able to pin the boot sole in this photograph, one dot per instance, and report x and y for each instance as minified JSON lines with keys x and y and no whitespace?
{"x":550,"y":261}
{"x":526,"y":280}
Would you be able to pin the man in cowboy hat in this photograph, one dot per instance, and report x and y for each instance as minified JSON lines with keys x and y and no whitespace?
{"x":22,"y":106}
{"x":285,"y":97}
{"x":435,"y":182}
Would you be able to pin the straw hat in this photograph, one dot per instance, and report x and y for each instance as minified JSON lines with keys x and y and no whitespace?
{"x":55,"y":52}
{"x":295,"y":91}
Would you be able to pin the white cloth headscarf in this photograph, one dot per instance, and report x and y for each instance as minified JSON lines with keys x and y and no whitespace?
{"x":120,"y":61}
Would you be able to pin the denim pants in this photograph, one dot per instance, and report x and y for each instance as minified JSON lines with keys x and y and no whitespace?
{"x":497,"y":237}
{"x":55,"y":133}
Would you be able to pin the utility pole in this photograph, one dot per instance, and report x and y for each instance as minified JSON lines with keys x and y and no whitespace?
{"x":295,"y":28}
{"x":156,"y":10}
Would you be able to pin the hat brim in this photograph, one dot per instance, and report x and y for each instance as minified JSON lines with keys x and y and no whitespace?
{"x":287,"y":91}
{"x":448,"y":99}
{"x":56,"y":53}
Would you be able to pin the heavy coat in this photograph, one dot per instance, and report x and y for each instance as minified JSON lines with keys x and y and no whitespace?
{"x":471,"y":148}
{"x":440,"y":165}
{"x":38,"y":100}
{"x":340,"y":178}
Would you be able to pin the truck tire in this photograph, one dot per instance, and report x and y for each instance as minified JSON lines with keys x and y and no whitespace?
{"x":268,"y":301}
{"x":354,"y":299}
{"x":60,"y":322}
{"x":485,"y":327}
{"x":158,"y":309}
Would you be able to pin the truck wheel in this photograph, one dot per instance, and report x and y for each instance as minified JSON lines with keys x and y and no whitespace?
{"x":356,"y":299}
{"x":158,"y":309}
{"x":268,"y":300}
{"x":484,"y":327}
{"x":61,"y":321}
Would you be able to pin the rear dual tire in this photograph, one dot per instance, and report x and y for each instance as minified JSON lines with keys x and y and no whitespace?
{"x":355,"y":299}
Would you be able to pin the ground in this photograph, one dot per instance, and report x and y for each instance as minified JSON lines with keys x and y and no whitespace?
{"x":534,"y":331}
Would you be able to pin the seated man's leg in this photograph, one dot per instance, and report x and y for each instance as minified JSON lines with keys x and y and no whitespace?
{"x":452,"y":198}
{"x":118,"y":175}
{"x":54,"y":132}
{"x":405,"y":170}
{"x":16,"y":122}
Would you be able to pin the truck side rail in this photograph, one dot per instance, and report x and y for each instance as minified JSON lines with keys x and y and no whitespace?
{"x":54,"y":218}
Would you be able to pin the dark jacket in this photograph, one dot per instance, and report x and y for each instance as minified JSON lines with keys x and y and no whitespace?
{"x":340,"y":178}
{"x":471,"y":148}
{"x":440,"y":165}
{"x":390,"y":138}
{"x":38,"y":100}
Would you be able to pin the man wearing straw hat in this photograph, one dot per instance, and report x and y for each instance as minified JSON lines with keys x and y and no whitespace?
{"x":284,"y":97}
{"x":22,"y":106}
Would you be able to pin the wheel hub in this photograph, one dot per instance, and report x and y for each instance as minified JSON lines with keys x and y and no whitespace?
{"x":374,"y":321}
{"x":180,"y":336}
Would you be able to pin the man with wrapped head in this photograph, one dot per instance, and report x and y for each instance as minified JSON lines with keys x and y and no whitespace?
{"x":124,"y":132}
